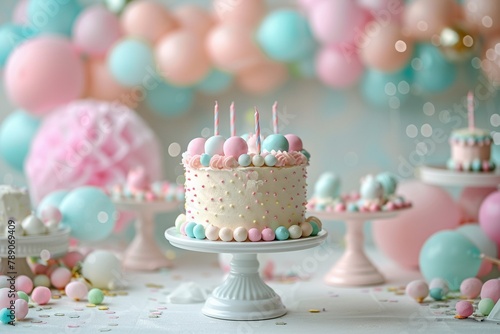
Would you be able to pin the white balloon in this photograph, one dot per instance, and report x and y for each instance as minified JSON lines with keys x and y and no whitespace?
{"x":103,"y":269}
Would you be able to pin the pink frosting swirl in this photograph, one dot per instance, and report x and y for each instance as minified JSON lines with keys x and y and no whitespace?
{"x":300,"y":159}
{"x":284,"y":159}
{"x":195,"y":162}
{"x":217,"y":162}
{"x":230,"y":162}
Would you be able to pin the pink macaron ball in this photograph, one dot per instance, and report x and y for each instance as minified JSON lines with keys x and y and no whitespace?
{"x":72,"y":258}
{"x":41,"y":295}
{"x":60,"y":277}
{"x":491,"y":289}
{"x":24,"y":284}
{"x":6,"y":297}
{"x":254,"y":234}
{"x":76,"y":290}
{"x":235,"y":146}
{"x":51,"y":213}
{"x":196,"y":146}
{"x":464,"y":308}
{"x":417,"y":290}
{"x":21,"y":309}
{"x":268,"y":234}
{"x":471,"y":287}
{"x":294,"y":142}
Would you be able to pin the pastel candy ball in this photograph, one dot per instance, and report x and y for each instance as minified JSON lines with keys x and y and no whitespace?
{"x":327,"y":186}
{"x":199,"y":232}
{"x":6,"y":297}
{"x":371,"y":188}
{"x":315,"y":229}
{"x":215,"y":145}
{"x":205,"y":159}
{"x":71,"y":259}
{"x":268,"y":234}
{"x":190,"y":229}
{"x":491,"y":289}
{"x":179,"y":221}
{"x":464,"y":308}
{"x":388,"y":182}
{"x":225,"y":234}
{"x":95,"y":296}
{"x":50,"y":213}
{"x":439,"y":283}
{"x":244,"y":160}
{"x":5,"y":316}
{"x":235,"y":146}
{"x":22,"y":308}
{"x":41,"y":280}
{"x":182,"y":229}
{"x":23,"y":295}
{"x":41,"y":295}
{"x":102,"y":268}
{"x":306,"y":228}
{"x":275,"y":142}
{"x":60,"y":277}
{"x":417,"y":290}
{"x":485,"y":306}
{"x":471,"y":287}
{"x":212,"y":232}
{"x":270,"y":160}
{"x":295,"y":231}
{"x":282,"y":233}
{"x":24,"y":283}
{"x":76,"y":290}
{"x":258,"y":160}
{"x":196,"y":146}
{"x":254,"y":234}
{"x":437,"y":293}
{"x":294,"y":142}
{"x":240,"y":234}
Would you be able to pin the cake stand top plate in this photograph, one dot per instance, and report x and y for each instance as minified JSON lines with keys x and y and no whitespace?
{"x":441,"y":176}
{"x":349,"y":215}
{"x":153,"y":206}
{"x":56,"y":243}
{"x":208,"y":246}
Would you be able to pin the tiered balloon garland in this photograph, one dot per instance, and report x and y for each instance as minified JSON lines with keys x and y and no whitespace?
{"x":57,"y":52}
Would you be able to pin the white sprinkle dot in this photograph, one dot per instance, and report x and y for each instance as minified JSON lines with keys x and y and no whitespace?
{"x":102,"y":217}
{"x":45,"y":255}
{"x":390,"y":88}
{"x":400,"y":46}
{"x":487,"y":21}
{"x":429,"y":109}
{"x":403,"y":87}
{"x":426,"y":130}
{"x":495,"y":120}
{"x":411,"y":131}
{"x":468,"y":41}
{"x":174,"y":149}
{"x":205,"y":133}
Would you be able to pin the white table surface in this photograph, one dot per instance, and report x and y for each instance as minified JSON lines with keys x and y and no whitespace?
{"x":354,"y":310}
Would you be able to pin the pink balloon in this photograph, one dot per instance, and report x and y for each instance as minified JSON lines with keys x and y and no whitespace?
{"x":307,"y":5}
{"x":262,"y":78}
{"x":194,"y":18}
{"x":490,"y":65}
{"x":484,"y":15}
{"x":147,"y":19}
{"x":232,"y":48}
{"x":470,"y":200}
{"x":20,"y":14}
{"x":95,"y":30}
{"x":44,"y":73}
{"x":426,"y":18}
{"x":485,"y":269}
{"x":402,"y":237}
{"x":333,"y":22}
{"x":489,"y":216}
{"x":182,"y":58}
{"x":338,"y":67}
{"x":241,"y":12}
{"x":388,"y":50}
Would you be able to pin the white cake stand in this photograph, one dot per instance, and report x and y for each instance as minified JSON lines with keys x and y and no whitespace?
{"x":354,"y":268}
{"x":441,"y":176}
{"x":243,"y":295}
{"x":56,"y":243}
{"x":143,"y":253}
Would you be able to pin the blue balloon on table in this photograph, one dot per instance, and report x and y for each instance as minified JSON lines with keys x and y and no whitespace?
{"x":285,"y":35}
{"x":89,"y":212}
{"x":131,"y":63}
{"x":215,"y":82}
{"x":378,"y":87}
{"x":170,"y":101}
{"x":11,"y":35}
{"x":451,"y":256}
{"x":53,"y":17}
{"x":433,"y":73}
{"x":53,"y":199}
{"x":16,"y":134}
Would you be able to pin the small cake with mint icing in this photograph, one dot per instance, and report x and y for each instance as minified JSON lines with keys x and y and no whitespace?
{"x":471,"y":150}
{"x":376,"y":193}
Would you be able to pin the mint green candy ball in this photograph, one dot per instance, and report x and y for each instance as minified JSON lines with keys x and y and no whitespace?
{"x":24,"y":296}
{"x":485,"y":306}
{"x":95,"y":296}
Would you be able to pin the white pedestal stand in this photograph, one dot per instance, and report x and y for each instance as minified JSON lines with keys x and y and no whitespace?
{"x":243,"y":295}
{"x":441,"y":176}
{"x":143,"y":253}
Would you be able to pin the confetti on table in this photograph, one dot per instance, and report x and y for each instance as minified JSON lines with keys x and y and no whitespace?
{"x":113,"y":324}
{"x":90,"y":305}
{"x":155,"y":286}
{"x":36,"y":321}
{"x":313,"y":310}
{"x":281,"y":323}
{"x":59,"y":314}
{"x":122,"y":293}
{"x":105,"y":330}
{"x":103,"y":308}
{"x":44,"y":316}
{"x":74,"y":316}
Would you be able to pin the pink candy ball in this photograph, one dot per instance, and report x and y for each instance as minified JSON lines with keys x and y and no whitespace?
{"x":95,"y":30}
{"x":294,"y":142}
{"x":491,"y":289}
{"x":471,"y":287}
{"x":72,"y":258}
{"x":44,"y":73}
{"x":22,"y":308}
{"x":268,"y":234}
{"x":235,"y":146}
{"x":254,"y":234}
{"x":76,"y":290}
{"x":24,"y":283}
{"x":196,"y":146}
{"x":464,"y":308}
{"x":51,"y":213}
{"x":336,"y":69}
{"x":6,"y":297}
{"x":417,"y":290}
{"x":97,"y":144}
{"x":60,"y":277}
{"x":41,"y":295}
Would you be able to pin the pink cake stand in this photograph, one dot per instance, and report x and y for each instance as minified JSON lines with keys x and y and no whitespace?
{"x":143,"y":253}
{"x":442,"y":176}
{"x":354,"y":268}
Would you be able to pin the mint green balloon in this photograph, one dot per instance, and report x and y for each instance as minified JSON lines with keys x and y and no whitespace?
{"x":53,"y":199}
{"x":131,"y":63}
{"x":451,"y":256}
{"x":215,"y":82}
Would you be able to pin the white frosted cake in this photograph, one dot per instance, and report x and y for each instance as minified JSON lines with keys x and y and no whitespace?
{"x":14,"y":204}
{"x":471,"y":150}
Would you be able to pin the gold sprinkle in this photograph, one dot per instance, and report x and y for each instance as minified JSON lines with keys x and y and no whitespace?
{"x":254,"y":221}
{"x":47,"y":307}
{"x":153,"y":285}
{"x":231,"y":181}
{"x":74,"y":316}
{"x":59,"y":314}
{"x":56,"y":297}
{"x":90,"y":305}
{"x":125,"y":293}
{"x":239,"y":191}
{"x":231,"y":205}
{"x":277,"y":203}
{"x":313,"y":310}
{"x":263,"y":217}
{"x":261,"y":204}
{"x":240,"y":215}
{"x":103,"y":308}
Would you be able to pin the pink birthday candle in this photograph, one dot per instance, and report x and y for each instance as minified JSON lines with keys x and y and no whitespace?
{"x":257,"y":130}
{"x":275,"y":117}
{"x":232,"y":120}
{"x":216,"y":119}
{"x":470,"y":109}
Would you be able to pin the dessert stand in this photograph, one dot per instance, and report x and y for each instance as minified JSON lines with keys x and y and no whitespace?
{"x":243,"y":295}
{"x":354,"y":267}
{"x":144,"y":253}
{"x":56,"y":243}
{"x":441,"y":176}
